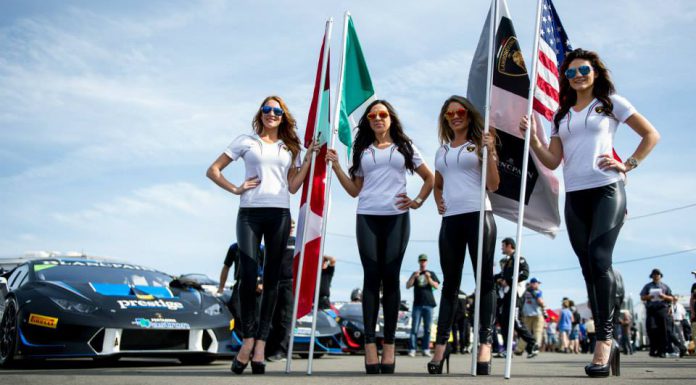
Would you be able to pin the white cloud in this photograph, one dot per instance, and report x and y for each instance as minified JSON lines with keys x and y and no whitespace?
{"x":174,"y":199}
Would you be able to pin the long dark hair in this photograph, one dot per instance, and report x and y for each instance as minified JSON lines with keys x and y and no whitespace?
{"x":601,"y":90}
{"x":287,"y":130}
{"x":474,"y":133}
{"x":365,"y":137}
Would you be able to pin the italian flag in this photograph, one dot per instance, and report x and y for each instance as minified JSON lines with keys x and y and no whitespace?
{"x":356,"y":90}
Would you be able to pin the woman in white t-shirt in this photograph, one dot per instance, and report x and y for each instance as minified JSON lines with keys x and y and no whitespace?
{"x":382,"y":155}
{"x":273,"y":170}
{"x":458,"y":165}
{"x":583,"y":137}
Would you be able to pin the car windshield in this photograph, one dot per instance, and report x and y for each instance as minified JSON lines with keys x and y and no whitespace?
{"x":99,"y":272}
{"x":200,"y":278}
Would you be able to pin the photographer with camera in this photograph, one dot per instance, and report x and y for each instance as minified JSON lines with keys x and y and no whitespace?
{"x":423,"y":282}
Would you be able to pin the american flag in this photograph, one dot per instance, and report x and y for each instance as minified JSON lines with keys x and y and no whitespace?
{"x":553,"y":47}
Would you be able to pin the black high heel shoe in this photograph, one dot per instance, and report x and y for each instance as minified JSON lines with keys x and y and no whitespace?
{"x":388,"y":368}
{"x":258,"y":367}
{"x":613,"y":365}
{"x":436,"y":367}
{"x":484,"y":368}
{"x":372,"y":368}
{"x":238,"y":367}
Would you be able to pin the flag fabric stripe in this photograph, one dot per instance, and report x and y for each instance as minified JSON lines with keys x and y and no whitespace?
{"x":546,"y":94}
{"x":312,"y":220}
{"x":547,"y":64}
{"x":508,"y":103}
{"x":543,"y":109}
{"x":357,"y":91}
{"x":553,"y":46}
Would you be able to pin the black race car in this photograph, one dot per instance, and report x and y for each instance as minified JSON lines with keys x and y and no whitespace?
{"x":62,"y":307}
{"x":351,"y":321}
{"x":327,"y":338}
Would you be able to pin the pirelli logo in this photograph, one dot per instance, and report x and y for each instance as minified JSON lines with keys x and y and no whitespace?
{"x":44,"y":321}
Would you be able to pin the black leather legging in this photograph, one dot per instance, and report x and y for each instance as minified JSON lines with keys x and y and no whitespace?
{"x":594,"y":218}
{"x":382,"y":241}
{"x":273,"y":225}
{"x":457,"y":233}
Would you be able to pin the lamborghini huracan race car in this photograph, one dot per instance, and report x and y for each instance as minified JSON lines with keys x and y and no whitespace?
{"x":63,"y":307}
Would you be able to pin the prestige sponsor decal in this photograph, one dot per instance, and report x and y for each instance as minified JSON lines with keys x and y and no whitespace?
{"x":44,"y":321}
{"x":160,"y":323}
{"x":156,"y":304}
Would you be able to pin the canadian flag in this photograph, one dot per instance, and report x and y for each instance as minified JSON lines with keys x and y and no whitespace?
{"x":312,"y":207}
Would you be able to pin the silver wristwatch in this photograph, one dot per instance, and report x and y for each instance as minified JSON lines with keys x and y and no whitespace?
{"x":418,"y":200}
{"x":633,"y":162}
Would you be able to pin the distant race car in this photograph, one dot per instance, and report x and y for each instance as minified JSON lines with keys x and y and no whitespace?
{"x":63,"y":307}
{"x":327,"y":338}
{"x":351,"y":320}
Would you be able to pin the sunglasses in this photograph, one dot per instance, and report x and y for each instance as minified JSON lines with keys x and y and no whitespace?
{"x":375,"y":115}
{"x":460,"y":113}
{"x":276,"y":110}
{"x":573,"y":72}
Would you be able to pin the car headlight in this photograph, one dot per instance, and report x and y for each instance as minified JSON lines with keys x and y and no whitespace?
{"x":213,"y":310}
{"x":73,"y":306}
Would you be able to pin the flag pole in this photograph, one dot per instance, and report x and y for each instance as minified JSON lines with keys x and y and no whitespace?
{"x":337,"y":104}
{"x":291,"y":345}
{"x":492,"y":21}
{"x":523,"y":192}
{"x":327,"y":191}
{"x":322,"y":83}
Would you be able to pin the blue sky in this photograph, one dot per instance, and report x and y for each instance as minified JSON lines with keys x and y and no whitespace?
{"x":110,"y":113}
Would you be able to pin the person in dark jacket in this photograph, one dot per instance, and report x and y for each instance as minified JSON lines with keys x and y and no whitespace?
{"x":506,"y":276}
{"x":658,"y":298}
{"x":461,"y":329}
{"x":619,"y":316}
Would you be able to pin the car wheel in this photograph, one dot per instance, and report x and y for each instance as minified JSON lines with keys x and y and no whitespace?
{"x":8,"y":333}
{"x":197,"y":360}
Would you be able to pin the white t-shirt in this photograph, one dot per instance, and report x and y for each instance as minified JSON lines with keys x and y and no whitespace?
{"x":271,"y":163}
{"x":461,"y":173}
{"x":678,"y":312}
{"x":586,"y":135}
{"x":384,"y":173}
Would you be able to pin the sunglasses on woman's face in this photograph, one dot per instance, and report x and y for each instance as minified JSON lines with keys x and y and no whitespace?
{"x":460,"y":113}
{"x":276,"y":110}
{"x":379,"y":114}
{"x":573,"y":72}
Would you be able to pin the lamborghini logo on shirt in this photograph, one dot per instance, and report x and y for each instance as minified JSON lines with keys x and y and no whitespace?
{"x":43,"y":321}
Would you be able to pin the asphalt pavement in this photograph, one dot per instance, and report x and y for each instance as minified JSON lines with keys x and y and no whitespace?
{"x":547,"y":368}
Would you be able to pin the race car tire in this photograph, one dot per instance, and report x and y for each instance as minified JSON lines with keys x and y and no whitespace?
{"x":316,"y":355}
{"x":106,"y":360}
{"x":8,"y":333}
{"x":196,"y":360}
